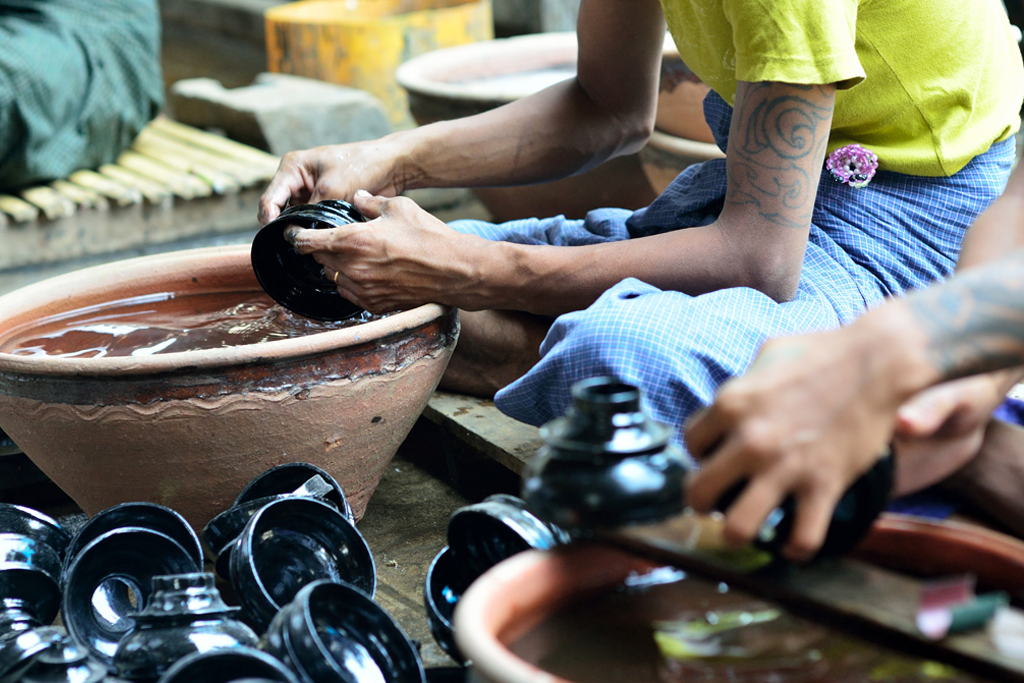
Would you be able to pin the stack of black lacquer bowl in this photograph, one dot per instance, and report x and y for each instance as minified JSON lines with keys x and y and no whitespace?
{"x":137,"y":606}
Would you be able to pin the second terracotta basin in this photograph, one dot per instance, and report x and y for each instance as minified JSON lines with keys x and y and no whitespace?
{"x":470,"y":79}
{"x":188,"y":430}
{"x":517,"y":595}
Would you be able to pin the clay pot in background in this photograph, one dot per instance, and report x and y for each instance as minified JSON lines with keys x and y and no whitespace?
{"x":469,"y":79}
{"x":188,"y":430}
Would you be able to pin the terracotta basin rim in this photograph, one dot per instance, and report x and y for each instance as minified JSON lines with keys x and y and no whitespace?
{"x":426,"y":74}
{"x":37,"y":294}
{"x":686,"y":147}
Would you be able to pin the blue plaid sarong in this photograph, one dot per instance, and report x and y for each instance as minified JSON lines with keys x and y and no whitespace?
{"x":899,"y":233}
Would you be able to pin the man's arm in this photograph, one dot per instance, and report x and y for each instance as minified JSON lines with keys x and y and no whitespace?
{"x":777,"y":148}
{"x":815,"y":411}
{"x":608,"y":109}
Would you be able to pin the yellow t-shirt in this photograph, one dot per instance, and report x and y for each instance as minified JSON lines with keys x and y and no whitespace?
{"x":925,"y":84}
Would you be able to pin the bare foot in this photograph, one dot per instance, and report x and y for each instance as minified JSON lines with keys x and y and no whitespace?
{"x":495,"y":348}
{"x":994,"y":479}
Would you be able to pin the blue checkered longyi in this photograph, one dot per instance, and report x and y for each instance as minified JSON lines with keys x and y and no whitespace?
{"x":899,"y":233}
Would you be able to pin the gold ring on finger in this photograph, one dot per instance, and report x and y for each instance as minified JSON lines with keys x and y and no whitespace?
{"x":335,"y":277}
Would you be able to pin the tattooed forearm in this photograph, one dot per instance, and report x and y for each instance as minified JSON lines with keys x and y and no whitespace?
{"x":777,"y":146}
{"x":975,"y":321}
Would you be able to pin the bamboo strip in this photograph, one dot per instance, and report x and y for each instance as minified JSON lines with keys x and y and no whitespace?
{"x":82,"y":196}
{"x":261,"y":170}
{"x":107,"y":187}
{"x":163,"y":147}
{"x":203,"y":181}
{"x":182,"y":184}
{"x":18,"y":209}
{"x":215,"y":142}
{"x":53,"y":204}
{"x":154,"y":192}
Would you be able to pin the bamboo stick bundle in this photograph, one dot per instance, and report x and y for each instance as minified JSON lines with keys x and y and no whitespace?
{"x":181,"y":183}
{"x":85,"y":198}
{"x":216,"y":143}
{"x":153,"y":191}
{"x":172,"y":151}
{"x":53,"y":204}
{"x":18,"y":209}
{"x":108,"y":187}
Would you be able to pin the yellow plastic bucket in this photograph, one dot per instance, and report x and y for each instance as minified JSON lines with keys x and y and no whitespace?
{"x":360,"y":43}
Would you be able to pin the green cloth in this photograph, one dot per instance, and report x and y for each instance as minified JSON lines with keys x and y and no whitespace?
{"x":78,"y":81}
{"x":927,"y":85}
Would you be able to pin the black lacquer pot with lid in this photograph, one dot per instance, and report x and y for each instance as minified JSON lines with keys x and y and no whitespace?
{"x":606,"y":463}
{"x":295,"y":281}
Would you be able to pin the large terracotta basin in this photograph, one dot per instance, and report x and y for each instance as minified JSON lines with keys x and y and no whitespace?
{"x":470,"y":79}
{"x":517,"y":595}
{"x":188,"y":430}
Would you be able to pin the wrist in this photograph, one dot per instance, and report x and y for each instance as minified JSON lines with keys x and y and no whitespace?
{"x":894,"y":350}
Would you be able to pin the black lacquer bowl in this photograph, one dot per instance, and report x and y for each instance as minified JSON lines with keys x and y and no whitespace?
{"x":482,"y":535}
{"x":226,"y":666}
{"x":291,"y":543}
{"x":295,"y":281}
{"x":32,"y":547}
{"x":441,"y":592}
{"x":292,"y":479}
{"x":335,"y":633}
{"x":142,"y":515}
{"x":110,"y":581}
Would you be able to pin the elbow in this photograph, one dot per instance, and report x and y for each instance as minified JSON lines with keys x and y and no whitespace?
{"x":778,"y":278}
{"x":636,"y":133}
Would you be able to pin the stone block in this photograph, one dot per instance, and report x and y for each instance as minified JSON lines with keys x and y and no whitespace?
{"x":280,"y":112}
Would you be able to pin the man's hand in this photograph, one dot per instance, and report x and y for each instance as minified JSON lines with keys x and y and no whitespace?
{"x":331,"y":172}
{"x":812,"y":414}
{"x":942,"y":428}
{"x":401,"y":258}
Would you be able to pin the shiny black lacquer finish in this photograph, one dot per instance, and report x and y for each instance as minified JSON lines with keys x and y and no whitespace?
{"x":185,"y":614}
{"x":605,"y":463}
{"x":441,"y":592}
{"x":482,"y":535}
{"x":66,"y":662}
{"x":289,"y":544}
{"x":227,"y":666}
{"x":293,"y":479}
{"x":110,"y":581}
{"x":852,"y":518}
{"x":295,"y":281}
{"x":335,"y":633}
{"x":141,"y":515}
{"x":19,"y":649}
{"x":32,"y":547}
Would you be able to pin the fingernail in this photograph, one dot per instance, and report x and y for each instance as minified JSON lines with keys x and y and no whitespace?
{"x":363,"y":193}
{"x":291,"y":232}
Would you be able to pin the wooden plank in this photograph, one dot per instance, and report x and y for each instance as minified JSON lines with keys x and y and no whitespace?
{"x":484,"y":428}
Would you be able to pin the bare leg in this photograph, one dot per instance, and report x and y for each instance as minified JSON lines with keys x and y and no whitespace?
{"x":495,"y":348}
{"x":994,"y":479}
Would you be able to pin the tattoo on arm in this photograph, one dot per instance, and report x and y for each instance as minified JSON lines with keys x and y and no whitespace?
{"x":975,"y":321}
{"x":777,"y":146}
